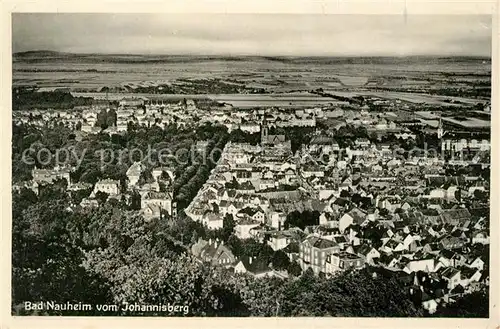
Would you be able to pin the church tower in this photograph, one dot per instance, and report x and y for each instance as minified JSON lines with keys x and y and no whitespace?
{"x":440,"y":130}
{"x":263,"y":132}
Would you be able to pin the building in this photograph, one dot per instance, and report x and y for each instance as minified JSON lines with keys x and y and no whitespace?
{"x":109,"y":186}
{"x":131,"y":102}
{"x":163,"y":200}
{"x":257,"y":268}
{"x":243,"y":227}
{"x":313,"y":252}
{"x":213,"y":252}
{"x":342,"y":261}
{"x":134,"y":173}
{"x":50,"y":175}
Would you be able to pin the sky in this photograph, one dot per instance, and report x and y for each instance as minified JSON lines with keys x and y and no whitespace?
{"x":254,"y":34}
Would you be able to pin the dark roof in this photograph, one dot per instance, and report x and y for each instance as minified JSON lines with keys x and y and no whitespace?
{"x":438,"y":181}
{"x":341,"y":202}
{"x":468,"y":272}
{"x":458,"y":290}
{"x":357,"y":215}
{"x":255,"y":265}
{"x":447,"y":253}
{"x":293,"y":247}
{"x":455,"y":216}
{"x":249,"y":211}
{"x":320,"y":243}
{"x":448,"y":272}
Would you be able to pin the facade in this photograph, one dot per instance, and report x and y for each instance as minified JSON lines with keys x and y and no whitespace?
{"x":313,"y":252}
{"x":109,"y":186}
{"x":342,"y":261}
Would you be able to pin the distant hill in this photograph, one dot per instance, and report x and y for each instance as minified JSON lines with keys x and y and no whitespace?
{"x":39,"y":53}
{"x":49,"y":55}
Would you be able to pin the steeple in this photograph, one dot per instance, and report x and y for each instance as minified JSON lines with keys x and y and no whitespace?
{"x":263,"y":132}
{"x":440,"y":130}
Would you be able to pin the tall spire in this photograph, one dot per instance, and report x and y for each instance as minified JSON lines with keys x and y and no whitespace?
{"x":440,"y":130}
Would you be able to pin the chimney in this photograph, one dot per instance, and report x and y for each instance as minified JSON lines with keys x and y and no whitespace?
{"x":215,"y":243}
{"x":250,"y":260}
{"x":210,"y":241}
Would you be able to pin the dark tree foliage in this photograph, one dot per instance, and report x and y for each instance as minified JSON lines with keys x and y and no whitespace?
{"x":302,"y":219}
{"x":473,"y":305}
{"x":26,"y":98}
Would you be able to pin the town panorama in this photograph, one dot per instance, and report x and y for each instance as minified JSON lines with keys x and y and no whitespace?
{"x":148,"y":185}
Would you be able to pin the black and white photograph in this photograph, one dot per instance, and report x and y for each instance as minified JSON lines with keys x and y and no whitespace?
{"x":251,"y":165}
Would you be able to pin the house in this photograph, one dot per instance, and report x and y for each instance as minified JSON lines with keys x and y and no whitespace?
{"x":243,"y":227}
{"x":151,"y":211}
{"x":254,"y":213}
{"x":162,"y":171}
{"x":212,"y":220}
{"x":452,"y":242}
{"x":89,"y":203}
{"x":134,"y":173}
{"x":368,"y":253}
{"x":476,"y":263}
{"x":425,"y":263}
{"x":328,"y":220}
{"x":256,"y":267}
{"x":313,"y":251}
{"x":80,"y":186}
{"x":470,"y":275}
{"x":161,"y":199}
{"x":279,"y":240}
{"x":109,"y":186}
{"x":292,"y":251}
{"x":342,"y":261}
{"x":451,"y":275}
{"x":362,"y":142}
{"x":213,"y":252}
{"x":480,"y":237}
{"x":455,"y":216}
{"x":354,"y":216}
{"x":50,"y":175}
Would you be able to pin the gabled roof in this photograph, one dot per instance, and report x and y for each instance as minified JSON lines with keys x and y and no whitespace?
{"x":320,"y":243}
{"x":255,"y":265}
{"x":448,"y":272}
{"x":455,"y":215}
{"x":358,"y":215}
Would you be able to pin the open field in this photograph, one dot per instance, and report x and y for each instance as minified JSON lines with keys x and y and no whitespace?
{"x":237,"y":100}
{"x":428,"y":80}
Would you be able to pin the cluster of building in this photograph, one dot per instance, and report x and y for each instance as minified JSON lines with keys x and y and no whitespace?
{"x":156,"y":196}
{"x":136,"y":111}
{"x":374,"y":208}
{"x":408,"y":216}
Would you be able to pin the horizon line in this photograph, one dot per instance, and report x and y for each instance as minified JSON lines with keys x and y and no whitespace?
{"x":256,"y":55}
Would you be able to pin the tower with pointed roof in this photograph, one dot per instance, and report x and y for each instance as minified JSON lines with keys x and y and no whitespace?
{"x":440,"y":130}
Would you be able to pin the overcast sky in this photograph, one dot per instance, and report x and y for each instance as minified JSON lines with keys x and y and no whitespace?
{"x":245,"y":34}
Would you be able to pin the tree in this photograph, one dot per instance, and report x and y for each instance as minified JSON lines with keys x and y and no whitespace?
{"x":294,"y":269}
{"x":101,"y":197}
{"x":135,"y":201}
{"x":302,"y":219}
{"x":228,"y":227}
{"x":280,"y":260}
{"x":111,"y":118}
{"x":102,"y":119}
{"x":473,"y":305}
